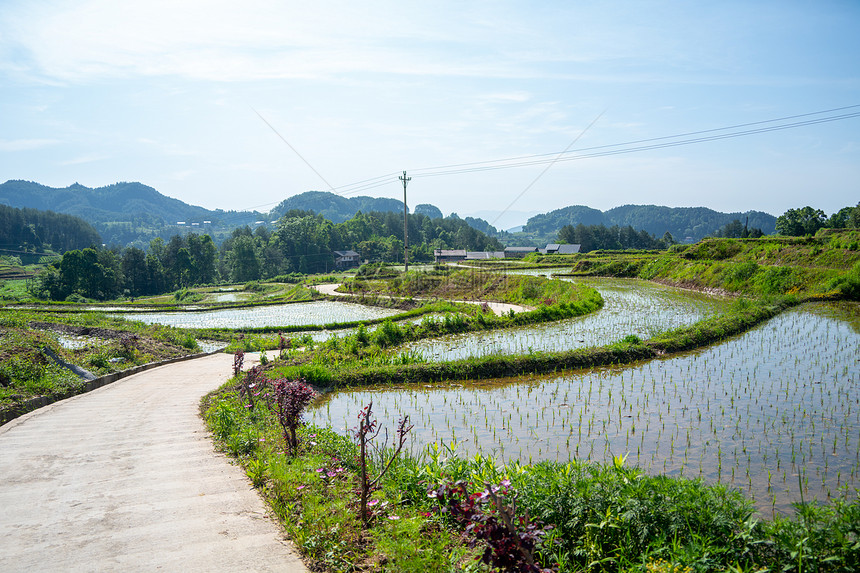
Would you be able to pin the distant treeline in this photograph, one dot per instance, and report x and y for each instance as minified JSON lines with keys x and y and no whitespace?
{"x":683,"y":223}
{"x":807,"y":221}
{"x":33,"y":231}
{"x":596,"y":237}
{"x":302,"y":243}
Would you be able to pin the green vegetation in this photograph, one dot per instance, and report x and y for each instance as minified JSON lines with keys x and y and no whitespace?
{"x":824,"y":266}
{"x":364,"y":357}
{"x":110,"y":345}
{"x":683,"y":223}
{"x":594,"y":237}
{"x":30,"y":232}
{"x":602,"y":517}
{"x":807,"y":221}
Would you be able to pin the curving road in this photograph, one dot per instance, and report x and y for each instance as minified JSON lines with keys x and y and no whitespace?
{"x":124,"y":478}
{"x":497,"y":307}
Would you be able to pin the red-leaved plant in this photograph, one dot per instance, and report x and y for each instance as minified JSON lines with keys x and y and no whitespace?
{"x":290,"y":399}
{"x":252,"y":385}
{"x":238,"y":361}
{"x":366,"y":432}
{"x":490,"y":516}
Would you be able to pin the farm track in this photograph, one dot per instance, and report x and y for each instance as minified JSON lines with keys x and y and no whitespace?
{"x":499,"y":308}
{"x":125,"y":478}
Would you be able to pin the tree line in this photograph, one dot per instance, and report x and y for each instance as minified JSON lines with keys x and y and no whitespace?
{"x":595,"y":237}
{"x":807,"y":221}
{"x":34,"y":231}
{"x":302,"y":242}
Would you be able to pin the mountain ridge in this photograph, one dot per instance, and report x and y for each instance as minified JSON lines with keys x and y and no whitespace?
{"x":134,"y":213}
{"x":683,"y":223}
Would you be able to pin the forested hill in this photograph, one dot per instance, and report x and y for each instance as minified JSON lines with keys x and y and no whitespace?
{"x":684,"y":223}
{"x":34,"y":231}
{"x":335,"y":208}
{"x":126,"y":213}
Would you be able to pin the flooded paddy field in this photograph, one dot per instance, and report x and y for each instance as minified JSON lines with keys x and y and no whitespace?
{"x":322,"y":312}
{"x":770,"y":412}
{"x":630,"y":307}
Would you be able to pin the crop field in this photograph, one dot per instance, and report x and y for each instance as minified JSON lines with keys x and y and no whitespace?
{"x":323,"y":312}
{"x":630,"y":307}
{"x":770,"y":412}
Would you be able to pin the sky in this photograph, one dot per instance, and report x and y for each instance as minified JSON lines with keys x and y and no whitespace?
{"x":239,"y":105}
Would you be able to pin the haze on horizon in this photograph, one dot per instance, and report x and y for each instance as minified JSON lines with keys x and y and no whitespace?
{"x":168,"y":94}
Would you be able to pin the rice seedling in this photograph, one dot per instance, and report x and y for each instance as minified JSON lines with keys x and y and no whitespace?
{"x":743,"y":411}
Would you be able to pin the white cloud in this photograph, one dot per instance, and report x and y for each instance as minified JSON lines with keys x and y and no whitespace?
{"x":25,"y":144}
{"x":79,"y":41}
{"x":88,"y":158}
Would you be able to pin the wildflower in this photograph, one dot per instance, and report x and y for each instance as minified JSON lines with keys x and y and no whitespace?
{"x":372,"y":502}
{"x":393,"y":517}
{"x":300,"y":487}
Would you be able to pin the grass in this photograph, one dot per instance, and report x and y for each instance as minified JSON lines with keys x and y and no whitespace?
{"x":604,"y":517}
{"x":27,"y":372}
{"x":825,"y":266}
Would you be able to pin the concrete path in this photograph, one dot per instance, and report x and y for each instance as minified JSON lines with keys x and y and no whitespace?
{"x":124,"y":478}
{"x":497,"y":307}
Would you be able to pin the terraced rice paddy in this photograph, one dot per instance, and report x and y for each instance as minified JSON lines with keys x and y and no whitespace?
{"x":630,"y":307}
{"x":770,"y":411}
{"x":324,"y":312}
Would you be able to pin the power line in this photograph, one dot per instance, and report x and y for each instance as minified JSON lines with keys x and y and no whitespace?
{"x":553,"y":162}
{"x":606,"y":150}
{"x":446,"y":168}
{"x":294,"y":149}
{"x":649,"y":144}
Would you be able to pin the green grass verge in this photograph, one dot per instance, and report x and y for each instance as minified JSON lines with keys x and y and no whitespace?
{"x":603,"y":517}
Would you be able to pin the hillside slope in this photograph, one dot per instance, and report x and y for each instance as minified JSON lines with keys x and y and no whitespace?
{"x":125,"y":213}
{"x":684,"y":223}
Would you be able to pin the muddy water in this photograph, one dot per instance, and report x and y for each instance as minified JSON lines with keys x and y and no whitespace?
{"x":769,"y":412}
{"x":630,"y":307}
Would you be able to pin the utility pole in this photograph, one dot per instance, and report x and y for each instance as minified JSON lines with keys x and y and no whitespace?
{"x":405,"y":180}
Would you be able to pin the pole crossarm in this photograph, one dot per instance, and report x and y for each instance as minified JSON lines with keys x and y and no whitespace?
{"x":406,"y":181}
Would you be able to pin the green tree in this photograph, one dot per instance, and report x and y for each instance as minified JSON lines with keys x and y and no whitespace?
{"x":245,"y":266}
{"x":798,"y":222}
{"x":134,"y":271}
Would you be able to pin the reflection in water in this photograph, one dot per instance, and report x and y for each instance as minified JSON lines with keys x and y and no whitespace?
{"x":761,"y":411}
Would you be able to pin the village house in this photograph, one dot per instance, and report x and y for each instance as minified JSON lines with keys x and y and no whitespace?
{"x":519,"y":252}
{"x":449,"y":255}
{"x":346,"y":259}
{"x":560,"y":249}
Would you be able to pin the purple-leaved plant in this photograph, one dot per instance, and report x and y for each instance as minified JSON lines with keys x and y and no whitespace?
{"x":290,"y":399}
{"x":367,"y":430}
{"x":238,"y":361}
{"x":490,"y":516}
{"x":252,"y":384}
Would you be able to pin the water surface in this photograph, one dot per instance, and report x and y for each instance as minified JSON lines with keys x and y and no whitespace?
{"x":763,"y":411}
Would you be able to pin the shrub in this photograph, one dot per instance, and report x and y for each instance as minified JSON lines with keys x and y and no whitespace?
{"x":290,"y":400}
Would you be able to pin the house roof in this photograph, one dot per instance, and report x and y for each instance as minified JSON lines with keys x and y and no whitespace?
{"x":568,"y":249}
{"x":449,"y":252}
{"x":485,"y":255}
{"x":561,"y":249}
{"x":520,"y":249}
{"x":346,"y":254}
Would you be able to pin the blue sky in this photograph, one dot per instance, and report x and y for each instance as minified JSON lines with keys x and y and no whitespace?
{"x":167,"y":93}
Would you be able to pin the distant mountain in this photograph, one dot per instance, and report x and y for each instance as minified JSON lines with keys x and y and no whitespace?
{"x":431,"y":211}
{"x":125,"y":213}
{"x":684,"y":223}
{"x":334,"y":207}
